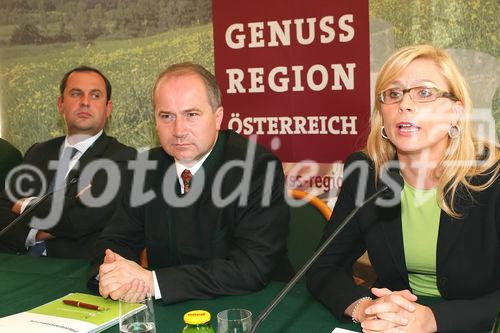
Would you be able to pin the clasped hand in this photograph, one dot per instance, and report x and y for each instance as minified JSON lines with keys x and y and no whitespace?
{"x":124,"y":279}
{"x":396,"y":312}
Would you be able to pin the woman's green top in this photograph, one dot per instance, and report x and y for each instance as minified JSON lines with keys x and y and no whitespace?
{"x":420,"y":216}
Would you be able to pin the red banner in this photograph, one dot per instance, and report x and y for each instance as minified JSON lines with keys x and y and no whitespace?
{"x":296,"y":74}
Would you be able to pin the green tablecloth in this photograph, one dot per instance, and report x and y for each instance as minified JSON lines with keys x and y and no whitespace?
{"x":27,"y":282}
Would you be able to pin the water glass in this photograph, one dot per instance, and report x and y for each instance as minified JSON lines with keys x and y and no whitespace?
{"x":234,"y":321}
{"x":133,"y":320}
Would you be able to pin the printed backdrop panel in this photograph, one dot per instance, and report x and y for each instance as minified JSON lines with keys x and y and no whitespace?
{"x":296,"y":74}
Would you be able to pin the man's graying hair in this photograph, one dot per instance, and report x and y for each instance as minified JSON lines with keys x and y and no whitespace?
{"x":186,"y":68}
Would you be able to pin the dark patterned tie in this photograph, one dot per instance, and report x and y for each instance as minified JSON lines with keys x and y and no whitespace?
{"x":186,"y":178}
{"x":62,"y":168}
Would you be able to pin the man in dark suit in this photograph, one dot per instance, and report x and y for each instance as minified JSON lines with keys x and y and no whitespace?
{"x":217,"y":221}
{"x":10,"y":157}
{"x":67,"y":225}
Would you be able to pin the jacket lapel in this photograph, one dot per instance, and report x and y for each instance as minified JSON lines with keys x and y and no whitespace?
{"x":160,"y":211}
{"x":393,"y":232}
{"x":52,"y":156}
{"x":449,"y":229}
{"x":212,"y":164}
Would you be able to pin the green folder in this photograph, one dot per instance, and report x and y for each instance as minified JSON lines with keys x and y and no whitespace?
{"x":56,"y":316}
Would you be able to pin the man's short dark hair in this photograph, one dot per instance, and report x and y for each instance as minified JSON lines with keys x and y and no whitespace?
{"x":80,"y":69}
{"x":213,"y":91}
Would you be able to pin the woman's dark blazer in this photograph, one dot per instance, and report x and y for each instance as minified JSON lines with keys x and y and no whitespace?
{"x":468,"y":253}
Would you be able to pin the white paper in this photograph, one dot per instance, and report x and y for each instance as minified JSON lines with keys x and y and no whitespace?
{"x":34,"y":322}
{"x":341,"y":330}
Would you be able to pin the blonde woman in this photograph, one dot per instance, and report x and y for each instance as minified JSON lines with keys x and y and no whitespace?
{"x":443,"y":238}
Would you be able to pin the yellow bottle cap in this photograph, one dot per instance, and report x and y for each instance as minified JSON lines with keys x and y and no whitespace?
{"x":197,"y":317}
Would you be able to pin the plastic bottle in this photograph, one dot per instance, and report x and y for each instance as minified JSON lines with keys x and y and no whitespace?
{"x":197,"y":321}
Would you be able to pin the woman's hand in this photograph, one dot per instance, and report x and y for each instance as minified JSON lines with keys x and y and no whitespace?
{"x":397,"y":312}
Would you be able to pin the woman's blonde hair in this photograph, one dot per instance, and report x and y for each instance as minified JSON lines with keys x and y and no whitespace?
{"x":466,"y":156}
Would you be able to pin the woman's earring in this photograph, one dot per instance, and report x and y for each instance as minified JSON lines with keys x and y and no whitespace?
{"x":454,"y":131}
{"x":382,"y":132}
